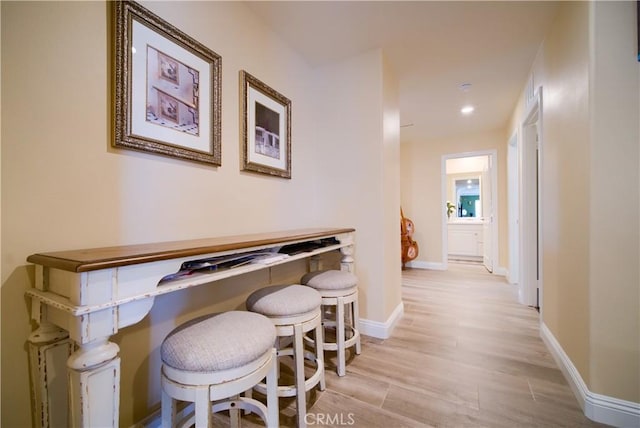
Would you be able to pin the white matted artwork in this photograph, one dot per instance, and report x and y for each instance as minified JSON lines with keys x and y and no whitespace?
{"x":167,"y":88}
{"x":266,"y":128}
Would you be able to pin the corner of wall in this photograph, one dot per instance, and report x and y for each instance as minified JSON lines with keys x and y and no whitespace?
{"x":382,"y":330}
{"x":600,"y":408}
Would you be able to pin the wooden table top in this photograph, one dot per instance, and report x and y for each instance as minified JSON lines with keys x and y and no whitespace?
{"x":109,"y":257}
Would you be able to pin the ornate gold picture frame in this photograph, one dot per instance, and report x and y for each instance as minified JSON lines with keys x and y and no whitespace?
{"x":167,"y":88}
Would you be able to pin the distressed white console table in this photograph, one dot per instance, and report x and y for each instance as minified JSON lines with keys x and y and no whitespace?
{"x":83,"y":297}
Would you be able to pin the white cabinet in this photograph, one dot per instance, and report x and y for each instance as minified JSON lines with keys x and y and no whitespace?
{"x":465,"y":239}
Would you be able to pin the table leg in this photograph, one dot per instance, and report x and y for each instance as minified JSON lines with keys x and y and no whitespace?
{"x":49,"y":347}
{"x":346,"y":263}
{"x":94,"y":385}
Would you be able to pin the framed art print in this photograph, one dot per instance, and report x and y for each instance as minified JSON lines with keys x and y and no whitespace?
{"x":266,"y":128}
{"x":167,"y":88}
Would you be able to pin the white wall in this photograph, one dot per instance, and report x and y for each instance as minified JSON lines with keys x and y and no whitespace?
{"x":64,"y":187}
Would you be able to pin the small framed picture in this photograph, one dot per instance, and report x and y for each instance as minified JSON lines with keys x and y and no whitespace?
{"x":266,"y":128}
{"x":167,"y":88}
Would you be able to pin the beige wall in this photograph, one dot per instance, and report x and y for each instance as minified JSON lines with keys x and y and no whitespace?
{"x":591,"y":302}
{"x":421,"y":188}
{"x":565,"y":182}
{"x":1,"y":256}
{"x":390,"y":160}
{"x":359,"y":158}
{"x":614,"y":233}
{"x":64,"y":187}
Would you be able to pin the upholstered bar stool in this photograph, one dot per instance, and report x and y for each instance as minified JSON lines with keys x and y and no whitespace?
{"x":338,"y":288}
{"x":214,"y":359}
{"x":294,"y":311}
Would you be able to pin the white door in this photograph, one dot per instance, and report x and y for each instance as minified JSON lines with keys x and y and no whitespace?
{"x":487,"y":215}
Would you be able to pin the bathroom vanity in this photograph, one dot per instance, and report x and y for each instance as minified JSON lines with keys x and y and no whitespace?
{"x":465,"y":239}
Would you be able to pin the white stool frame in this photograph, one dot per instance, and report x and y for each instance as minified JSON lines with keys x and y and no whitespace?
{"x":340,"y":298}
{"x":297,"y":326}
{"x":203,"y":388}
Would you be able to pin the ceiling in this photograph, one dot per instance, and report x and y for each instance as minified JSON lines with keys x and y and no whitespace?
{"x":433,"y":48}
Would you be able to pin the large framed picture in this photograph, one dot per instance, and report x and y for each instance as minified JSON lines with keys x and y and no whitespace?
{"x":167,"y":88}
{"x":266,"y":128}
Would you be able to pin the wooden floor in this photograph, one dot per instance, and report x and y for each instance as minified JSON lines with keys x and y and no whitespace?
{"x":465,"y":354}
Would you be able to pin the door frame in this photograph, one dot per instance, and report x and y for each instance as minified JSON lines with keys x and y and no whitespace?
{"x":530,"y":192}
{"x":493,"y":161}
{"x":513,"y":207}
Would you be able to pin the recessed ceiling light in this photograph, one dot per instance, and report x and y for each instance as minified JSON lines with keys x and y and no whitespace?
{"x":467,"y":109}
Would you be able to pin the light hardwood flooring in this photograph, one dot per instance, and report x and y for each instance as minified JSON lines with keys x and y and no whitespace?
{"x":465,"y":354}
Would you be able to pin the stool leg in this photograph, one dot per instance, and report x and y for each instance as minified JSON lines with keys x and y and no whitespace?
{"x":248,"y":394}
{"x":340,"y":336}
{"x":277,"y":346}
{"x":203,"y":408}
{"x":356,"y":318}
{"x":168,"y":410}
{"x":319,"y":344}
{"x":272,"y":393}
{"x":234,"y":414}
{"x":298,"y":356}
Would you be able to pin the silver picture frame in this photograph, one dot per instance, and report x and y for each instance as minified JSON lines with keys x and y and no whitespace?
{"x":266,"y":128}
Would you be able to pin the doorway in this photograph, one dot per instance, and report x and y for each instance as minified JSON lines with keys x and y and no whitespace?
{"x":469,"y":201}
{"x":530,"y":245}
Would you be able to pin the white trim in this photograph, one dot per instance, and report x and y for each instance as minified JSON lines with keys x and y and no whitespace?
{"x":419,"y":264}
{"x":501,"y":271}
{"x":530,"y":282}
{"x":381,"y":330}
{"x":513,"y":202}
{"x":443,"y":214}
{"x":569,"y":371}
{"x":597,"y":407}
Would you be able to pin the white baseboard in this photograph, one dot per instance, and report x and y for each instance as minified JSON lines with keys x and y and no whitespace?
{"x":381,"y":330}
{"x":597,"y":407}
{"x":419,"y":264}
{"x":500,"y":270}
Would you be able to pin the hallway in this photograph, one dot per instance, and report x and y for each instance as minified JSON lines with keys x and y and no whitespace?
{"x":464,"y":354}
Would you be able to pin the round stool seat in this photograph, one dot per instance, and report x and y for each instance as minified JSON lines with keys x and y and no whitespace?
{"x":330,"y":280}
{"x":211,"y":360}
{"x":283,"y":300}
{"x":218,"y":342}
